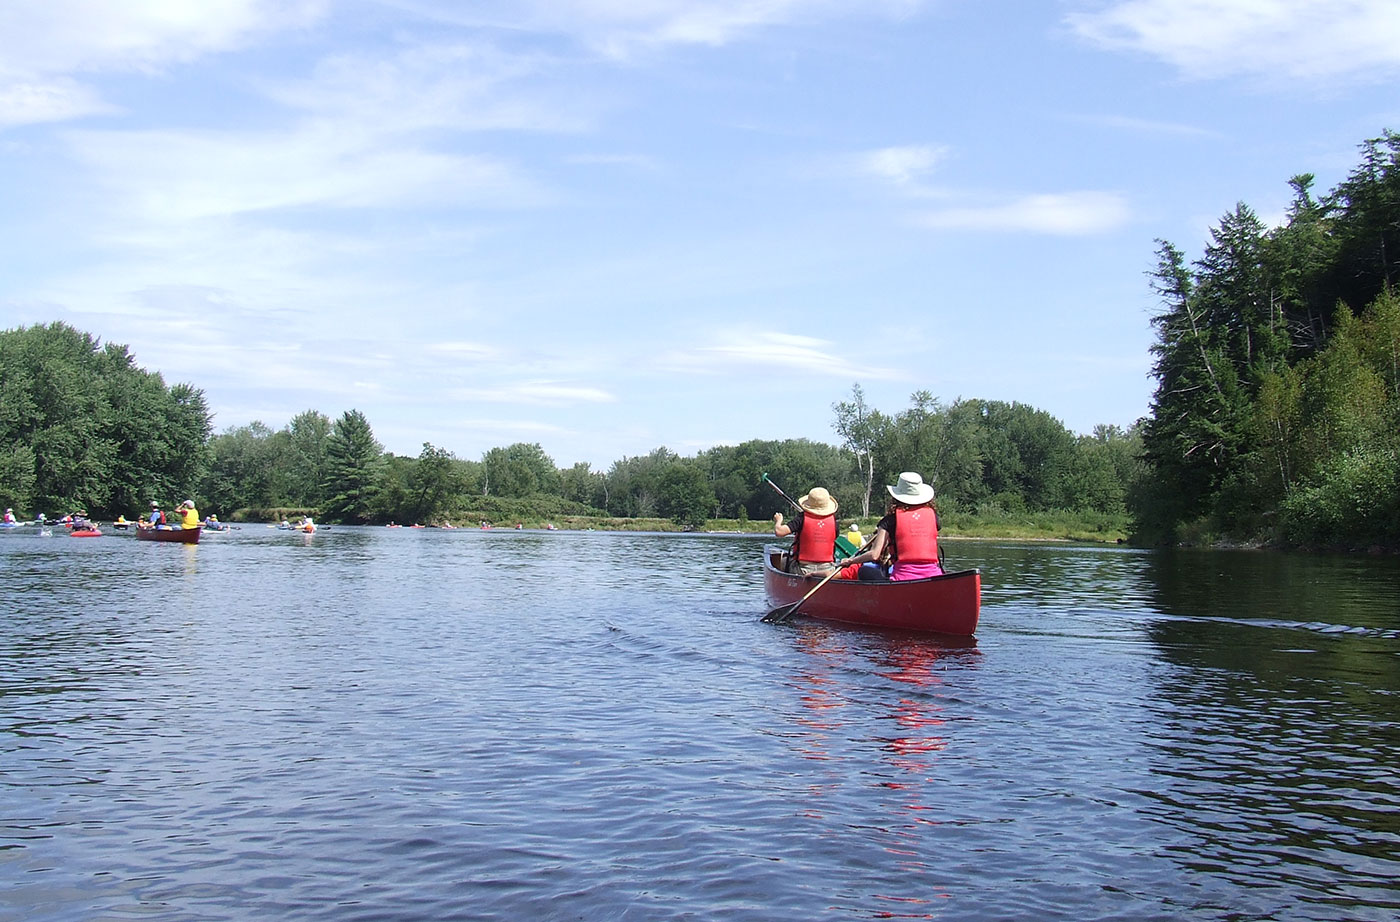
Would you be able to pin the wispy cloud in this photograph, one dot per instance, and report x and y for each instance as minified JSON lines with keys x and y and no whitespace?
{"x":30,"y":102}
{"x":1268,"y":39}
{"x":44,"y":46}
{"x":1144,"y":126}
{"x":178,"y":176}
{"x":778,"y":352}
{"x":902,"y":166}
{"x":621,"y":28}
{"x":442,"y":86}
{"x":540,"y":393}
{"x":463,"y":351}
{"x":635,"y":161}
{"x":1064,"y":214}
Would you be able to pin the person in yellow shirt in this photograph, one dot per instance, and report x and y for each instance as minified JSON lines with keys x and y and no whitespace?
{"x":189,"y":516}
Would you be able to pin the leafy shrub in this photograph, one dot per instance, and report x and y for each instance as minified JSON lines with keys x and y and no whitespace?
{"x":1353,"y":500}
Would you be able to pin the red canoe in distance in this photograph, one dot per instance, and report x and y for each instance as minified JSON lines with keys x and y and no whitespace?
{"x":85,"y":533}
{"x":173,"y":535}
{"x":947,"y":604}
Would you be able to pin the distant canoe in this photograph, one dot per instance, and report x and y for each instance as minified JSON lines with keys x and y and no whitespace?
{"x":947,"y":604}
{"x":85,"y":533}
{"x":175,"y":535}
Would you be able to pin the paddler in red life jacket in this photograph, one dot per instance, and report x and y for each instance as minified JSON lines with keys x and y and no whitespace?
{"x":909,"y":533}
{"x":814,"y":534}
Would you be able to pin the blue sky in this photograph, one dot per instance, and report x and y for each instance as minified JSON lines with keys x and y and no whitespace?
{"x":611,"y":225}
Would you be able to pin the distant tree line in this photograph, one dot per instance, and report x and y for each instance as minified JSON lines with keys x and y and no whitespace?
{"x":1277,"y":408}
{"x":82,"y":427}
{"x":985,"y":456}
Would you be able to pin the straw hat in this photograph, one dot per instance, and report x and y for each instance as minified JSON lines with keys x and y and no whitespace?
{"x":818,"y":502}
{"x":911,"y":490}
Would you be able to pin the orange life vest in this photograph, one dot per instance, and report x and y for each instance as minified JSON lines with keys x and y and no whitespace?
{"x":816,"y":542}
{"x":916,"y":535}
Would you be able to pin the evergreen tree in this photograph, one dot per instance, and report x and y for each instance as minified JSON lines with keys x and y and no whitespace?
{"x":354,"y":460}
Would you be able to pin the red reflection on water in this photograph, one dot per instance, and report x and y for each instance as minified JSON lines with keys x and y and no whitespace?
{"x":847,"y":674}
{"x":917,"y":661}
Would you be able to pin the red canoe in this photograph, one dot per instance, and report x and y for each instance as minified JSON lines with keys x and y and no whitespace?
{"x":179,"y":535}
{"x":85,"y":533}
{"x":947,"y":604}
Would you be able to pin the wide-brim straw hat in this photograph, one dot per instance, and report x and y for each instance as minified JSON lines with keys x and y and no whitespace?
{"x":911,"y":490}
{"x":818,"y":502}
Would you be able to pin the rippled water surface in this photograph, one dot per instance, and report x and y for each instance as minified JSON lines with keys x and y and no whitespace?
{"x":413,"y":724}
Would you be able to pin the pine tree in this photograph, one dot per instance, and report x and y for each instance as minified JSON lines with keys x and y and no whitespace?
{"x":353,"y":462}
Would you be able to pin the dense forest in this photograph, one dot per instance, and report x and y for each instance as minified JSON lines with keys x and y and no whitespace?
{"x":1277,"y":409}
{"x":1276,"y":418}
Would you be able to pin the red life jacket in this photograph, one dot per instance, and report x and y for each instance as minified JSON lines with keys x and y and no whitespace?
{"x":816,"y":542}
{"x":916,"y":535}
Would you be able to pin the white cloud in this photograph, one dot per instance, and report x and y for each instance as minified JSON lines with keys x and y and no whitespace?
{"x":540,"y":393}
{"x":498,"y":426}
{"x":43,"y":46}
{"x":1271,"y":39}
{"x":179,"y":176}
{"x":57,"y":100}
{"x":450,"y":86}
{"x":463,"y":351}
{"x":902,"y":165}
{"x":1145,"y":125}
{"x":1067,"y":214}
{"x":620,"y":27}
{"x":778,"y":352}
{"x":62,"y":36}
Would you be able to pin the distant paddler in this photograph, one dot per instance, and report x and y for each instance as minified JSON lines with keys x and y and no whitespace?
{"x":156,"y":519}
{"x":188,"y":515}
{"x":307,"y":525}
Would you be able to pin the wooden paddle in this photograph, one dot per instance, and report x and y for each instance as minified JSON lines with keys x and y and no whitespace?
{"x":770,"y":483}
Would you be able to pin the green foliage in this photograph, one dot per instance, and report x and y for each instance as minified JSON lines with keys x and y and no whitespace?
{"x":1353,"y":500}
{"x":434,"y":483}
{"x":518,"y":470}
{"x":684,"y":495}
{"x":85,"y":427}
{"x":1277,"y":409}
{"x":353,"y":464}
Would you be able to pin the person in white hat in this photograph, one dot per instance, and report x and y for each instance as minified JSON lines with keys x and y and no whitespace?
{"x":814,"y":534}
{"x":909,"y":533}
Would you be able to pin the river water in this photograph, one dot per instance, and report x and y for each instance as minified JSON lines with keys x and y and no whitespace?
{"x":377,"y":724}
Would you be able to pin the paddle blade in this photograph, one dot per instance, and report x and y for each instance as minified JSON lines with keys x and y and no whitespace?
{"x":780,"y":614}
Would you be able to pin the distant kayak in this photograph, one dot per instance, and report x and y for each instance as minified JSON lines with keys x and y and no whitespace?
{"x":85,"y":533}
